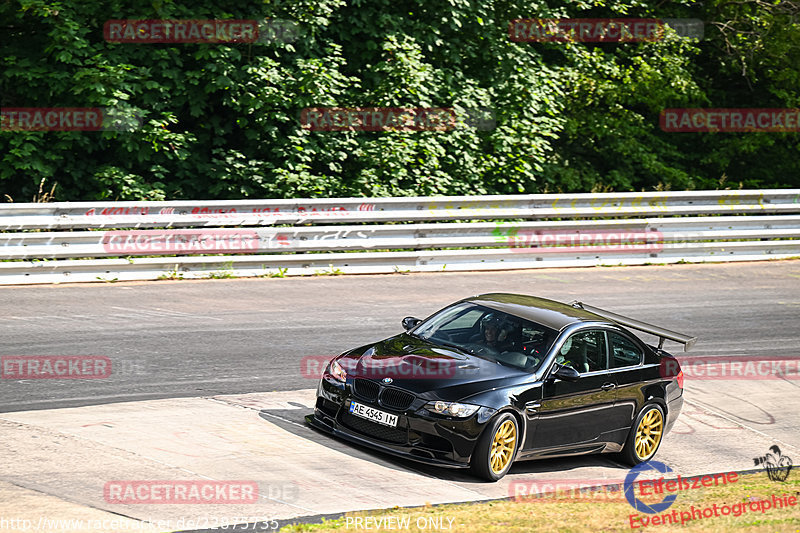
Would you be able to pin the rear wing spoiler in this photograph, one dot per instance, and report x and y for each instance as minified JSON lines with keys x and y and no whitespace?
{"x":662,"y":333}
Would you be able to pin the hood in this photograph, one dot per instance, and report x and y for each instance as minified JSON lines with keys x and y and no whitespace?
{"x":428,"y":369}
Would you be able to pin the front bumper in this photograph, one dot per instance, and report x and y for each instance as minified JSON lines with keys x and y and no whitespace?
{"x":419,"y":436}
{"x":345,"y":434}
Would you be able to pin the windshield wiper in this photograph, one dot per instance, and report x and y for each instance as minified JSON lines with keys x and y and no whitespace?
{"x":442,"y":343}
{"x":454,"y":346}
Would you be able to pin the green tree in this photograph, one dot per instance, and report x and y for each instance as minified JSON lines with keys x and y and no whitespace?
{"x":222,"y":120}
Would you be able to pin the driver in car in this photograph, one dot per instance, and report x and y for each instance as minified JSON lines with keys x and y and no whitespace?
{"x":494,"y":335}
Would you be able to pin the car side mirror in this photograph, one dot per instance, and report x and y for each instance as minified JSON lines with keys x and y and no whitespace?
{"x":410,"y":322}
{"x":566,"y":373}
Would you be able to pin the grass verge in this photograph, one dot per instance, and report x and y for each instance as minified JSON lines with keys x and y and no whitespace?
{"x":602,"y":511}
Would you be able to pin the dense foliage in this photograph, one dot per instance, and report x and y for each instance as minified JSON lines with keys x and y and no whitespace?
{"x":222,"y":120}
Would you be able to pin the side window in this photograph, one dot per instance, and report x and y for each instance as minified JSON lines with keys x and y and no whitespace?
{"x":624,"y":352}
{"x":584,"y":351}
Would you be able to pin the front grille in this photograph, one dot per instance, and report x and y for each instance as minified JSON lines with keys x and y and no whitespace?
{"x":396,"y":399}
{"x":366,"y":389}
{"x":375,"y":430}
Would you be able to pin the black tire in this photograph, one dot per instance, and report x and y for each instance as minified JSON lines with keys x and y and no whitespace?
{"x":481,"y":462}
{"x":649,"y":441}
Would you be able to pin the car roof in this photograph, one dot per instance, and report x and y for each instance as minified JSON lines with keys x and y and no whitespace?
{"x":555,"y":315}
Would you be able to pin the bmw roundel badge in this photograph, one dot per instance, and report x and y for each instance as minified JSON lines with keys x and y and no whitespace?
{"x":387,"y":380}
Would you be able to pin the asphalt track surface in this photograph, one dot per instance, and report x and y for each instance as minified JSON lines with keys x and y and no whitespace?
{"x":172,"y":339}
{"x":207,"y":384}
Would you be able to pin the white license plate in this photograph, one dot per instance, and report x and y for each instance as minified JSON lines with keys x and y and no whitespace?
{"x":370,"y":413}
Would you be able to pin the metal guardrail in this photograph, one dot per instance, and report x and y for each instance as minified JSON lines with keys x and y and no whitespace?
{"x":398,"y":236}
{"x":349,"y":210}
{"x":358,"y":235}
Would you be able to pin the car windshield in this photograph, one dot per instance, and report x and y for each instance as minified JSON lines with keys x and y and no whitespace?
{"x":490,"y":334}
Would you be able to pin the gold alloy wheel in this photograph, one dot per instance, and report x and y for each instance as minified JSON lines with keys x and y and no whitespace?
{"x":648,"y":434}
{"x":503,"y":444}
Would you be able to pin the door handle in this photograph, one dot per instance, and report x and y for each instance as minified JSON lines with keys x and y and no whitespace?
{"x":608,"y":386}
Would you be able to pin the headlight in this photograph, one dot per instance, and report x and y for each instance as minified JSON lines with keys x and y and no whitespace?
{"x":336,"y":371}
{"x":458,"y":410}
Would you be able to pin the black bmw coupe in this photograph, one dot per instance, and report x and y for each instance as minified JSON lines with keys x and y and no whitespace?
{"x":500,"y":377}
